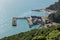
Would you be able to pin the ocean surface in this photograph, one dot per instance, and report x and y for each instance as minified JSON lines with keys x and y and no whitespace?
{"x":19,"y":8}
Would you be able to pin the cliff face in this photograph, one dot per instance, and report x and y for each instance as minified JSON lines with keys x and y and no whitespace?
{"x":55,"y":17}
{"x":59,"y":0}
{"x":55,"y":6}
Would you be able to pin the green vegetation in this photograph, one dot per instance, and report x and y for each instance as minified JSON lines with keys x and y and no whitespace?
{"x":53,"y":35}
{"x":37,"y":34}
{"x":39,"y":38}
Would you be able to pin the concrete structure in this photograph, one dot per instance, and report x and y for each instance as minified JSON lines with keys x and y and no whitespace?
{"x":14,"y":20}
{"x":14,"y":23}
{"x":33,"y":20}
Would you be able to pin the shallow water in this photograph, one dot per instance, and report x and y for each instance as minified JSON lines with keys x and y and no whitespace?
{"x":20,"y":8}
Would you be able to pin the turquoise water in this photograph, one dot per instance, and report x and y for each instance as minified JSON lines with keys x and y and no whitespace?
{"x":20,"y":8}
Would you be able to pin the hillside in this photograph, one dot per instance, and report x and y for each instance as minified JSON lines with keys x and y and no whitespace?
{"x":55,"y":17}
{"x":52,"y":33}
{"x":55,"y":6}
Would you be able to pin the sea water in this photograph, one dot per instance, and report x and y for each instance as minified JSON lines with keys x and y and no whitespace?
{"x":19,"y":8}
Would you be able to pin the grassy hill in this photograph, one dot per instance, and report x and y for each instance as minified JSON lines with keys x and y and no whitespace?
{"x":37,"y":34}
